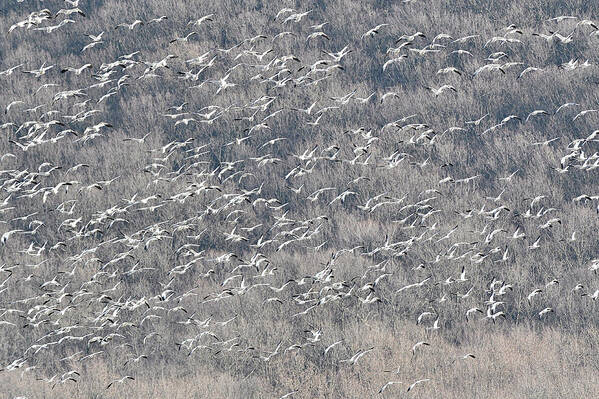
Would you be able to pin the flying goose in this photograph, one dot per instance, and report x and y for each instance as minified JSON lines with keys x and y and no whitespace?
{"x":416,"y":383}
{"x":9,"y":71}
{"x":535,"y":113}
{"x":583,"y":113}
{"x":157,"y":19}
{"x":8,"y":234}
{"x":41,"y":71}
{"x":316,"y":35}
{"x":12,"y":104}
{"x":354,"y":359}
{"x":373,"y":31}
{"x":410,"y":38}
{"x":91,"y":45}
{"x":388,"y":384}
{"x":201,"y":20}
{"x":137,"y":140}
{"x":328,"y":348}
{"x":447,"y":70}
{"x":392,"y":61}
{"x":283,"y":11}
{"x":441,"y":89}
{"x":418,"y":345}
{"x":77,"y":71}
{"x":129,"y":26}
{"x":545,"y":311}
{"x":183,"y":39}
{"x":297,"y":17}
{"x":119,"y":381}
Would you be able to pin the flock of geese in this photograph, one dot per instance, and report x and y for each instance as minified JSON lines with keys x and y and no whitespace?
{"x":225,"y":212}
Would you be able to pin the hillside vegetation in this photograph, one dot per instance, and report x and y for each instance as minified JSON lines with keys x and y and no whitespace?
{"x":327,"y":199}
